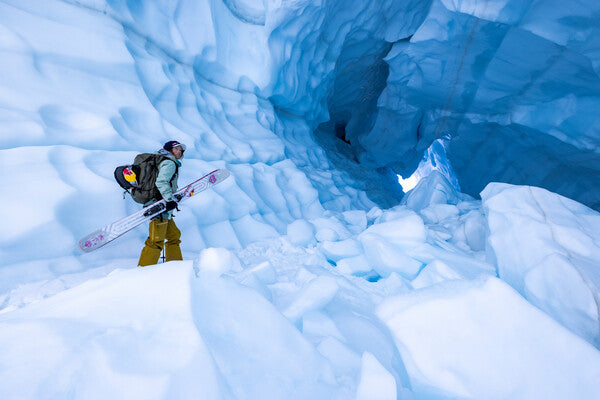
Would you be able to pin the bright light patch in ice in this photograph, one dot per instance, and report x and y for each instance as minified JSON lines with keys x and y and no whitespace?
{"x":434,"y":159}
{"x":410,"y":182}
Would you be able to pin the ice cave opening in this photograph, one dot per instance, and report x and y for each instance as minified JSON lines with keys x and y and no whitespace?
{"x":434,"y":159}
{"x":360,"y":76}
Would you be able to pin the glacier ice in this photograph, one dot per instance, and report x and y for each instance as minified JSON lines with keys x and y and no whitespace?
{"x":438,"y":324}
{"x":563,"y":247}
{"x":309,"y":273}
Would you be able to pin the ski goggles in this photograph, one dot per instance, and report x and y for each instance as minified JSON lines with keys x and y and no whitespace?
{"x":180,"y":145}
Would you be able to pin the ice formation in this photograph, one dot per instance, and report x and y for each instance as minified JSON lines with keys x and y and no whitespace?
{"x":307,"y":274}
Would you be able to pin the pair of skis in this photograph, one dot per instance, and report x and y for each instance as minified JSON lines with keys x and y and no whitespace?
{"x":110,"y":232}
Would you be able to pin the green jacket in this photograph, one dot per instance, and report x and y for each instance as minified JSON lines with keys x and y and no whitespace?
{"x":166,"y":180}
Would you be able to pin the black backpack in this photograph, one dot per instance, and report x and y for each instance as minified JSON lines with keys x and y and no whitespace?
{"x":139,"y":178}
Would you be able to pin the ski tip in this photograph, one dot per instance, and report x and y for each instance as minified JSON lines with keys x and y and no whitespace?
{"x":81,"y":246}
{"x":224,"y":173}
{"x":93,"y":241}
{"x":218,"y":175}
{"x":219,"y":171}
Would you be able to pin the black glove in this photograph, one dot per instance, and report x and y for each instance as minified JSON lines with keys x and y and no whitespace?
{"x":172,"y":205}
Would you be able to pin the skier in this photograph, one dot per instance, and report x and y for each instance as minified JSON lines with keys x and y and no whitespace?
{"x":163,"y":227}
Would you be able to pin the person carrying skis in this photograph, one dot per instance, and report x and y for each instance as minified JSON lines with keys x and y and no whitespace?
{"x":162,"y":228}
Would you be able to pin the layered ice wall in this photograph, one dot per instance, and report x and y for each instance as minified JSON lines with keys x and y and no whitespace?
{"x":514,"y":84}
{"x":88,"y":84}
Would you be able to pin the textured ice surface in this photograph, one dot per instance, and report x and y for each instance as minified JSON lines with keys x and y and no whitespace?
{"x":539,"y":239}
{"x":449,"y":324}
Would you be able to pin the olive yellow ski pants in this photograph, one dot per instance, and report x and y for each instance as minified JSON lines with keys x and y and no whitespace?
{"x":159,"y":231}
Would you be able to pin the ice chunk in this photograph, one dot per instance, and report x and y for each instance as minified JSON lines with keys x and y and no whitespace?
{"x":570,"y":302}
{"x":481,"y":339}
{"x":405,"y":229}
{"x":354,"y":265}
{"x":547,"y":247}
{"x":265,"y":272}
{"x":330,"y":229}
{"x":465,"y":263}
{"x":475,"y":230}
{"x":433,"y":189}
{"x":250,"y":228}
{"x":376,"y":383}
{"x":343,"y":249}
{"x":435,"y":272}
{"x":326,"y":234}
{"x":386,"y":257}
{"x":92,"y":340}
{"x":339,"y":355}
{"x":216,"y":261}
{"x":317,"y":293}
{"x":301,"y":232}
{"x":260,"y":353}
{"x":356,"y":220}
{"x":438,"y":212}
{"x":387,"y":244}
{"x":318,"y":324}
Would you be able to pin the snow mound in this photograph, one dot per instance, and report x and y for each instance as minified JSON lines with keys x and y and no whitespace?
{"x":487,"y":342}
{"x":547,"y":247}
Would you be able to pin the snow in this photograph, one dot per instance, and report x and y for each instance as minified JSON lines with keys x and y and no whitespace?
{"x":376,"y":383}
{"x":562,"y":242}
{"x":125,"y":320}
{"x":308,"y":273}
{"x":449,"y":323}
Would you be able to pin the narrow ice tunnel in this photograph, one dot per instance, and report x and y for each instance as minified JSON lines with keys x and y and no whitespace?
{"x":360,"y":77}
{"x":520,"y":103}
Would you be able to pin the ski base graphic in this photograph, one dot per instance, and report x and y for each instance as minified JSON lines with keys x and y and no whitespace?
{"x":112,"y":231}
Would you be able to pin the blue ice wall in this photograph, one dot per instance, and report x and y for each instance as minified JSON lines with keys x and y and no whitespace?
{"x":520,"y":100}
{"x":515,"y":84}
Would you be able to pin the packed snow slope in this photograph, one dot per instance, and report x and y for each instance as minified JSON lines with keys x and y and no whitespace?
{"x":307,"y":274}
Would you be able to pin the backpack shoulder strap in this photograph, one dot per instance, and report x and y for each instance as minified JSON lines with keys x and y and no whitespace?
{"x":160,"y":158}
